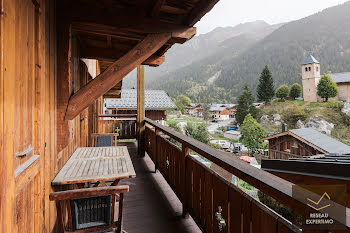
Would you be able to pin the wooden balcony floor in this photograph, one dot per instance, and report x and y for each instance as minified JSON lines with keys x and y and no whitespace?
{"x":151,"y":206}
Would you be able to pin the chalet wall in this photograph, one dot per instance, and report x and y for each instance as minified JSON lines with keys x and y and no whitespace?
{"x":30,"y":84}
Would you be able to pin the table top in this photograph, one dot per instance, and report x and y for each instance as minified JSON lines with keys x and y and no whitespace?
{"x":91,"y":164}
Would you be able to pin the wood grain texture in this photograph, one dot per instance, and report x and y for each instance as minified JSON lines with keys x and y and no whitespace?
{"x":91,"y":164}
{"x":115,"y":73}
{"x":140,"y":119}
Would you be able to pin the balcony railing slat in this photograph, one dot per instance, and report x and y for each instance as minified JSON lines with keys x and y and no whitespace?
{"x":202,"y":191}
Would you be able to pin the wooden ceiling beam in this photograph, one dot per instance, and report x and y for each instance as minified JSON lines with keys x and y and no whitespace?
{"x":201,"y":8}
{"x":114,"y":73}
{"x":156,"y":8}
{"x":106,"y":54}
{"x":127,"y":22}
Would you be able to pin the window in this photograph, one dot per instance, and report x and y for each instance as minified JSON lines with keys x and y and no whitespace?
{"x":310,"y":68}
{"x":305,"y":69}
{"x":317,"y":68}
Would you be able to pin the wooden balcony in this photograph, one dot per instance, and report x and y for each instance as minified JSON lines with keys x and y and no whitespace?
{"x":183,"y":186}
{"x":276,"y":154}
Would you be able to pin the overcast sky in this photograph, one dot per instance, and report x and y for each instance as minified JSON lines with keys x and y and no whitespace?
{"x":233,"y":12}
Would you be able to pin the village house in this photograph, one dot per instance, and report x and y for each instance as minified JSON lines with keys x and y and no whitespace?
{"x":298,"y":143}
{"x":157,"y":104}
{"x":219,"y":113}
{"x":311,"y":76}
{"x":194,"y":110}
{"x":232,"y":108}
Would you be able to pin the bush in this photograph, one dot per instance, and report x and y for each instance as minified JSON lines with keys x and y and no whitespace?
{"x":276,"y":206}
{"x":282,"y":92}
{"x":198,"y":132}
{"x":295,"y":91}
{"x":174,"y":125}
{"x":294,"y":113}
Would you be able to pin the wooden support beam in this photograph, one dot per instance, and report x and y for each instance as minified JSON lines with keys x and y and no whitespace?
{"x":156,"y":8}
{"x":105,"y":54}
{"x":201,"y":8}
{"x":126,"y":22}
{"x":64,"y":76}
{"x":140,"y":120}
{"x":115,"y":73}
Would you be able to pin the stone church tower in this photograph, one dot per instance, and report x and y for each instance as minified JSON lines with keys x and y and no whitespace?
{"x":311,"y":76}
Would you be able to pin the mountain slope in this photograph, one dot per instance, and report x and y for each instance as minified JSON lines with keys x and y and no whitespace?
{"x":203,"y":46}
{"x":326,"y":35}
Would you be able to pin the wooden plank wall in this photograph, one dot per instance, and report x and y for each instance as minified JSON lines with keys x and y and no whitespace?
{"x":30,"y":85}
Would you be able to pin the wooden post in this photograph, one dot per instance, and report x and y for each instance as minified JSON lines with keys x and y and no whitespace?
{"x":185,"y":153}
{"x":141,"y":110}
{"x":156,"y":151}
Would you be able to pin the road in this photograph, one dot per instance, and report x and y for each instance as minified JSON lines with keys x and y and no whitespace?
{"x":213,"y":126}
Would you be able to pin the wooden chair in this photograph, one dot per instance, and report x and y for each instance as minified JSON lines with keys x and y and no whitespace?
{"x":91,"y":209}
{"x":104,"y":139}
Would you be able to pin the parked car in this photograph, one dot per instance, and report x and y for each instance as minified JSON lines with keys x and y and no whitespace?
{"x":222,"y":143}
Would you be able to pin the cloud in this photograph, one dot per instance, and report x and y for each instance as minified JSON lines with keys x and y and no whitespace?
{"x":232,"y":12}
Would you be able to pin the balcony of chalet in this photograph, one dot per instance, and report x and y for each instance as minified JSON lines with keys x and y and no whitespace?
{"x":59,"y":59}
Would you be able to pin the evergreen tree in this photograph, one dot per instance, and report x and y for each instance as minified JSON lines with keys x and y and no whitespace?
{"x":206,"y":110}
{"x":252,"y":133}
{"x":326,"y":88}
{"x":282,"y":92}
{"x":245,"y":105}
{"x":295,"y":91}
{"x":266,"y":89}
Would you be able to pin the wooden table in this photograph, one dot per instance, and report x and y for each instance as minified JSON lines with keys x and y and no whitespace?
{"x":96,"y":164}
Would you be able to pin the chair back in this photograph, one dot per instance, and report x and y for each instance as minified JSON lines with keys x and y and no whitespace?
{"x":90,"y":209}
{"x":103,"y":141}
{"x":91,"y":212}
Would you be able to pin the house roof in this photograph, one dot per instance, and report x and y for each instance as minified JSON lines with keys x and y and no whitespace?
{"x":317,"y":139}
{"x":216,"y":108}
{"x":340,"y":77}
{"x":154,"y":99}
{"x":333,"y":166}
{"x":309,"y":60}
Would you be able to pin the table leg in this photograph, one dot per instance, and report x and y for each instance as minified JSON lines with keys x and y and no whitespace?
{"x":115,"y":183}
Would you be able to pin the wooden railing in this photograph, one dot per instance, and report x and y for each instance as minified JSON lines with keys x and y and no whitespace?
{"x":125,"y":123}
{"x":275,"y":154}
{"x":216,"y":204}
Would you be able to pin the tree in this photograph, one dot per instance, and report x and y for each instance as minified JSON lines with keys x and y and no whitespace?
{"x":181,"y":102}
{"x":245,"y":105}
{"x":266,"y":89}
{"x":326,"y":88}
{"x":282,"y":92}
{"x":252,"y":133}
{"x":198,"y":132}
{"x":206,"y":110}
{"x":295,"y":91}
{"x":175,"y":126}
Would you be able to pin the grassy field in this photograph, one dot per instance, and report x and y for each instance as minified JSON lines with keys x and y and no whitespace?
{"x":183,"y":118}
{"x":291,"y":111}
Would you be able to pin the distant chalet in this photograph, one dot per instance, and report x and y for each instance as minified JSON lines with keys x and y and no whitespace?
{"x":298,"y":143}
{"x":157,"y":103}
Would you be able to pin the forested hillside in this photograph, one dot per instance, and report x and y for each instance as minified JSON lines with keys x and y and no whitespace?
{"x":326,"y":35}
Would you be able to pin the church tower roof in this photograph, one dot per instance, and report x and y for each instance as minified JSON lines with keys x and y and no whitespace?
{"x":309,"y":60}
